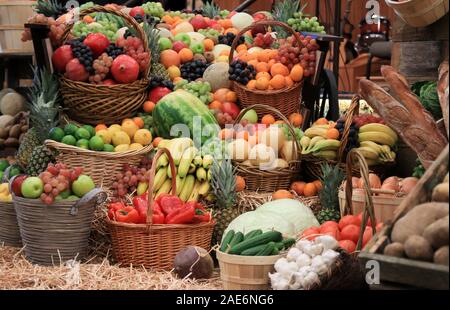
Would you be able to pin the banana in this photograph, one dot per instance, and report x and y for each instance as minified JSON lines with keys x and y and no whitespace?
{"x":325,"y":145}
{"x":208,"y":175}
{"x":377,"y":137}
{"x":316,"y":131}
{"x":186,"y":160}
{"x":208,"y":160}
{"x":368,"y":153}
{"x":180,"y":184}
{"x":393,"y":155}
{"x":195,"y":192}
{"x":187,"y":188}
{"x":330,"y":155}
{"x":375,"y":147}
{"x":204,"y":188}
{"x":163,"y":161}
{"x":165,"y":188}
{"x":379,"y":128}
{"x":327,"y":126}
{"x":192,"y":169}
{"x":304,"y":142}
{"x":163,"y":143}
{"x":210,"y":197}
{"x":160,"y":178}
{"x":372,"y":162}
{"x":201,"y":174}
{"x":312,"y":143}
{"x":169,"y":172}
{"x":198,"y":161}
{"x":178,"y":147}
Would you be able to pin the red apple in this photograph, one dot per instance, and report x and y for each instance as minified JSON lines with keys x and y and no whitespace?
{"x":17,"y":184}
{"x":178,"y":46}
{"x":61,"y":57}
{"x":231,"y":108}
{"x":157,"y":93}
{"x":212,"y":23}
{"x":198,"y":22}
{"x":137,"y":10}
{"x":259,"y":16}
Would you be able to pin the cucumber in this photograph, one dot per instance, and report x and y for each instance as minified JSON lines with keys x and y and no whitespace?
{"x":268,"y":249}
{"x":226,"y":240}
{"x":288,"y":243}
{"x":264,"y":238}
{"x":279,"y":245}
{"x":252,"y":234}
{"x":253,"y":251}
{"x":275,"y":251}
{"x":238,"y":237}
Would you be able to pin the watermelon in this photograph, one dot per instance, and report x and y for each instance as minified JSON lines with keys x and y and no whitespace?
{"x":180,"y":107}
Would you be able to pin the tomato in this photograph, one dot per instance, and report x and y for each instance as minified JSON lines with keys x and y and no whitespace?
{"x":348,"y":220}
{"x":331,"y":231}
{"x":311,"y":231}
{"x":367,"y":236}
{"x":328,"y":224}
{"x":350,"y":232}
{"x":347,"y":245}
{"x":360,"y":218}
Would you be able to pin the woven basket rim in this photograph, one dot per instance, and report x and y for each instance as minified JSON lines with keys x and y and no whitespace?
{"x":269,"y":92}
{"x":131,"y":226}
{"x":97,"y":86}
{"x":39,"y":203}
{"x":293,"y":165}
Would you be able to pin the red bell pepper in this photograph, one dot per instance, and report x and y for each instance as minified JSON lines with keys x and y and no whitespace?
{"x":201,"y":215}
{"x":113,"y":207}
{"x":158,"y":216}
{"x":140,"y":204}
{"x":127,"y":215}
{"x":184,"y":215}
{"x":170,"y":203}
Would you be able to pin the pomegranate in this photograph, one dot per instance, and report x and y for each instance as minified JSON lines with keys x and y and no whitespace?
{"x":125,"y":69}
{"x":76,"y":71}
{"x":157,"y":93}
{"x":109,"y":82}
{"x":61,"y":57}
{"x":137,"y":10}
{"x":97,"y":42}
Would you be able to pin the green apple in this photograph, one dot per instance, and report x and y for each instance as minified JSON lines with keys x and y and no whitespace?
{"x":82,"y":133}
{"x":108,"y":148}
{"x":197,"y":48}
{"x":14,"y":170}
{"x":3,"y":164}
{"x":183,"y":37}
{"x":90,"y":129}
{"x":96,"y":143}
{"x":32,"y":188}
{"x":83,"y":185}
{"x":58,"y":198}
{"x":1,"y":176}
{"x":251,"y":116}
{"x":69,"y":140}
{"x":70,"y":129}
{"x":165,"y":44}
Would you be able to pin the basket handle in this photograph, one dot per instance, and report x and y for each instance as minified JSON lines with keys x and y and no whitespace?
{"x":130,"y":21}
{"x":96,"y":193}
{"x":351,"y":112}
{"x":151,"y":181}
{"x":296,"y":147}
{"x":261,"y":23}
{"x":368,"y":211}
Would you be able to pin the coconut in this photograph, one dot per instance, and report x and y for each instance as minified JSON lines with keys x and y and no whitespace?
{"x":193,"y":262}
{"x":12,"y":103}
{"x":217,"y":76}
{"x":5,"y":91}
{"x":121,"y":32}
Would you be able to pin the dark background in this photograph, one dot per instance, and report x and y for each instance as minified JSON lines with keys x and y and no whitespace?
{"x":168,"y":4}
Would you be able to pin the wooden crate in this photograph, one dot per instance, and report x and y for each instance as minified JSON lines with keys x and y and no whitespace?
{"x":13,"y":16}
{"x":402,"y":270}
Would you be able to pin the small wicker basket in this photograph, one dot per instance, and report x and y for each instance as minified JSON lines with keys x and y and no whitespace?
{"x":155,"y":246}
{"x":93,"y":104}
{"x":100,"y":166}
{"x":287,"y":100}
{"x":269,"y":180}
{"x":9,"y":229}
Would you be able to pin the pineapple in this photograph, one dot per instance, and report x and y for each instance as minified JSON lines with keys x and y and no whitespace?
{"x":32,"y":155}
{"x":282,"y":11}
{"x":223,"y":184}
{"x":211,"y":10}
{"x":329,"y":200}
{"x":157,"y":69}
{"x":50,"y":8}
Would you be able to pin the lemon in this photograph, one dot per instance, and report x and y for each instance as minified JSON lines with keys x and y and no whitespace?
{"x":136,"y":146}
{"x":130,"y":128}
{"x":122,"y":148}
{"x":105,"y":135}
{"x":174,"y":72}
{"x":120,"y":137}
{"x":114,"y":128}
{"x":143,"y":136}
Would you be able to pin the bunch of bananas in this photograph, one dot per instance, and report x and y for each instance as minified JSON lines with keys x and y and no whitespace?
{"x":192,"y":170}
{"x":315,"y":142}
{"x":376,"y":142}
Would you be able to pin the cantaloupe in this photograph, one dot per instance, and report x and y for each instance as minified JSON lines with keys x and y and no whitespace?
{"x":241,"y":20}
{"x":5,"y":91}
{"x":12,"y":103}
{"x":184,"y":27}
{"x":217,"y":76}
{"x":165,"y":33}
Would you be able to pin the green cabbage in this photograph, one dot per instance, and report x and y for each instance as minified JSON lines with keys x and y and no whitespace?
{"x":427,"y":93}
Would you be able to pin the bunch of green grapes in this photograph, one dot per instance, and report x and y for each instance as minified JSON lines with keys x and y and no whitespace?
{"x":202,"y":90}
{"x":305,"y":24}
{"x":183,"y":15}
{"x":108,"y":29}
{"x":224,"y":13}
{"x":148,"y":120}
{"x":153,"y":9}
{"x":210,"y":33}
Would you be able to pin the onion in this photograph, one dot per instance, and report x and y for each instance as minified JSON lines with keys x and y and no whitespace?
{"x":393,"y":182}
{"x":194,"y":262}
{"x":406,"y":185}
{"x":389,"y":187}
{"x":374,"y":181}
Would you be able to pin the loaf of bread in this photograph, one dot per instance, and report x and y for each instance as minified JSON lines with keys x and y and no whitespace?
{"x":442,"y":89}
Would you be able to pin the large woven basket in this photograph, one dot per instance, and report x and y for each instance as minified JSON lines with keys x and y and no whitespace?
{"x":59,"y":232}
{"x":419,"y":13}
{"x":9,"y":229}
{"x":100,"y":166}
{"x":93,"y":104}
{"x":269,"y":180}
{"x":287,"y":100}
{"x":155,"y":246}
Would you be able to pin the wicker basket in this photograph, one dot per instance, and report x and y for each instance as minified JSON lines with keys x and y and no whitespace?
{"x":287,"y":100}
{"x":59,"y":232}
{"x":155,"y":246}
{"x":93,"y":104}
{"x":269,"y":180}
{"x":100,"y":166}
{"x":419,"y":13}
{"x":9,"y":229}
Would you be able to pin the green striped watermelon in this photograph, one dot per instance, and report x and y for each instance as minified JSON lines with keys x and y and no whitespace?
{"x":180,"y":107}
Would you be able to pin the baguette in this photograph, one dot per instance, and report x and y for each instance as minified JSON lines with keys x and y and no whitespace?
{"x":442,"y":89}
{"x":427,"y":143}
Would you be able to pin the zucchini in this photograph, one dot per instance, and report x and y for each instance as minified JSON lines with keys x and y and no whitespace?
{"x":238,"y":237}
{"x":268,"y":249}
{"x":288,"y":243}
{"x":275,"y":251}
{"x":226,"y":240}
{"x":253,"y":251}
{"x":252,"y":234}
{"x":264,"y":238}
{"x":279,"y":245}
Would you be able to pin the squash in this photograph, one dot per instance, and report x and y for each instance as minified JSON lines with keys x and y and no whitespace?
{"x":12,"y":103}
{"x":273,"y":137}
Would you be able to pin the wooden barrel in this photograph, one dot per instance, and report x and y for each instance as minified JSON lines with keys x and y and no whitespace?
{"x":13,"y":16}
{"x":245,"y":272}
{"x":419,"y":13}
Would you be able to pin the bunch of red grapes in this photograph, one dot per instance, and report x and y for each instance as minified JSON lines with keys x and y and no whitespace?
{"x":134,"y":48}
{"x":307,"y":52}
{"x":288,"y":55}
{"x":56,"y":28}
{"x":364,"y":119}
{"x":126,"y":182}
{"x":57,"y":179}
{"x":263,"y":40}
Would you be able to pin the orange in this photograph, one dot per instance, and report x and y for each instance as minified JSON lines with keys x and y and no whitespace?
{"x":88,"y":19}
{"x":226,"y":134}
{"x":253,"y":62}
{"x":148,"y":106}
{"x":264,"y":56}
{"x":282,"y":194}
{"x":225,"y":23}
{"x":240,"y":183}
{"x":170,"y":58}
{"x":321,"y":121}
{"x":221,"y":94}
{"x":253,"y":56}
{"x":100,"y":127}
{"x":127,"y":120}
{"x":268,"y":119}
{"x":262,"y":83}
{"x":225,"y":53}
{"x":318,"y":185}
{"x":279,"y":122}
{"x":208,"y":44}
{"x":241,"y":47}
{"x":231,"y":96}
{"x":310,"y":190}
{"x":253,"y":140}
{"x":278,"y":82}
{"x":298,"y":187}
{"x":251,"y":84}
{"x":289,"y":81}
{"x":263,"y":74}
{"x":262,"y":67}
{"x":332,"y":133}
{"x":168,"y":19}
{"x":296,"y":119}
{"x":177,"y":79}
{"x":273,"y":54}
{"x":139,"y":122}
{"x":215,"y":105}
{"x":156,"y":141}
{"x":232,"y":30}
{"x":272,"y":62}
{"x":296,"y":73}
{"x":245,"y":56}
{"x":279,"y":68}
{"x":186,"y":55}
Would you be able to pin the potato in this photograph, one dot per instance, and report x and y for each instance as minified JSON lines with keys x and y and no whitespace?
{"x":437,"y":233}
{"x":417,"y":247}
{"x":3,"y":133}
{"x":14,"y":132}
{"x":395,"y":249}
{"x":416,"y":220}
{"x":441,"y":256}
{"x":440,"y":193}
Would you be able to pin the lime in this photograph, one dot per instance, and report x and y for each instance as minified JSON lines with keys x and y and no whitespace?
{"x":72,"y":198}
{"x":108,"y":148}
{"x":69,"y":139}
{"x":65,"y":194}
{"x":96,"y":143}
{"x":58,"y":198}
{"x":70,"y":129}
{"x":3,"y":164}
{"x":56,"y":134}
{"x":15,"y":170}
{"x":82,"y":133}
{"x":90,"y":129}
{"x":83,"y":143}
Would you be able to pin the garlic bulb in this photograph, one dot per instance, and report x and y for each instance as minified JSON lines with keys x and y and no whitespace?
{"x":292,"y":254}
{"x":303,"y":260}
{"x":328,"y":242}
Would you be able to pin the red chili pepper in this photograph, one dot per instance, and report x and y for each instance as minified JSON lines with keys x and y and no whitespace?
{"x":113,"y":207}
{"x":127,"y":215}
{"x":170,"y":203}
{"x":183,"y":215}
